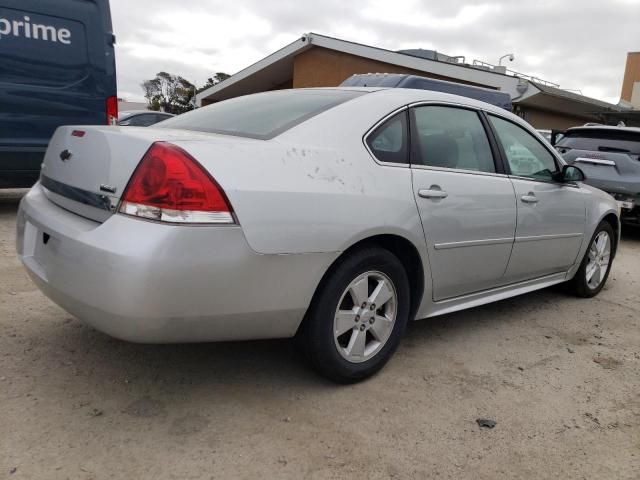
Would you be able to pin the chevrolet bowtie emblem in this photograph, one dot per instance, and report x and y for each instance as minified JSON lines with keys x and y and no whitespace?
{"x":65,"y":155}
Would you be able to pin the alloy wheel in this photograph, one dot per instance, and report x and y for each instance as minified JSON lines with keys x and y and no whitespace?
{"x":365,"y":316}
{"x":599,"y":258}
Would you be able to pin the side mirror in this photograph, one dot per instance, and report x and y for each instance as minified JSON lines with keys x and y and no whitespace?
{"x":571,"y":173}
{"x":124,"y":123}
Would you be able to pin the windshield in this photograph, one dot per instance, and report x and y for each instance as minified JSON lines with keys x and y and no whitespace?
{"x":602,"y":140}
{"x":263,"y":115}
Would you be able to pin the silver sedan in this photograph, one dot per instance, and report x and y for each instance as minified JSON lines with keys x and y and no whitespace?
{"x":332,"y":215}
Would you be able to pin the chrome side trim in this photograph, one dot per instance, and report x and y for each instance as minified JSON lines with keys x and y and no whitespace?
{"x":472,"y":243}
{"x":596,"y":161}
{"x":445,"y":103}
{"x":547,"y":237}
{"x":488,"y":296}
{"x":458,"y":170}
{"x":540,"y":180}
{"x":103,"y":202}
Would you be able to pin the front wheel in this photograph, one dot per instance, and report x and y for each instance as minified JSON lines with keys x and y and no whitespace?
{"x":358,"y":316}
{"x":596,"y":264}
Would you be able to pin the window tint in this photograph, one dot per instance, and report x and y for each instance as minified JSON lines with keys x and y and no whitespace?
{"x":526,"y":155}
{"x":451,"y":138}
{"x":160,"y":117}
{"x":388,"y":142}
{"x":143,"y":120}
{"x":263,"y":115}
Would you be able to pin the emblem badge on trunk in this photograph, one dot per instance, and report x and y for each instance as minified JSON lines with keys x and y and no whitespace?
{"x":107,"y":188}
{"x":65,"y":155}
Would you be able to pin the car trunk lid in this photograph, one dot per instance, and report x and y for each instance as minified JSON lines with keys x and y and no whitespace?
{"x":87,"y":168}
{"x":613,"y":172}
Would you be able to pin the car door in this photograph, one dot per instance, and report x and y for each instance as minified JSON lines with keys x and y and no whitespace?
{"x":551,"y":214}
{"x":466,"y":202}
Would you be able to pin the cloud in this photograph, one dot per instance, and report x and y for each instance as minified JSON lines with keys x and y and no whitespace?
{"x":577,"y":44}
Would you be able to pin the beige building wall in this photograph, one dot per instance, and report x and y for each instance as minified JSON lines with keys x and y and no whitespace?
{"x":551,"y":120}
{"x":631,"y":82}
{"x":321,"y":67}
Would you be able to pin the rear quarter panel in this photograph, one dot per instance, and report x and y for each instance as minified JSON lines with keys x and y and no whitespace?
{"x":320,"y":194}
{"x":315,"y":188}
{"x":307,"y":196}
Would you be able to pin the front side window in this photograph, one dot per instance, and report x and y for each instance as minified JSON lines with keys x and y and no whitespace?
{"x":389,"y":141}
{"x":527,"y":157}
{"x":449,"y":137}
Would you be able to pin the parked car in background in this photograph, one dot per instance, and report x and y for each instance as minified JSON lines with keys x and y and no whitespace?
{"x":317,"y":217}
{"x":403,"y":80}
{"x":551,"y":136}
{"x":142,"y":118}
{"x":610,"y":158}
{"x":57,"y":68}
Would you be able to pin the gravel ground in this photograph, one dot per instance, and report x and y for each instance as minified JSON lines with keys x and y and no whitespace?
{"x":559,"y":375}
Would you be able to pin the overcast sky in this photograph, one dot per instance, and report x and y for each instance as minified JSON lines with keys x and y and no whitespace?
{"x":578,"y":44}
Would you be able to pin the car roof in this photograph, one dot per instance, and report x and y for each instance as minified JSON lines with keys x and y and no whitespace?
{"x":412,"y":95}
{"x":390,"y":100}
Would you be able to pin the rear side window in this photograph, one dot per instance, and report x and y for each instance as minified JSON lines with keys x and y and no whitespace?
{"x":449,"y":137}
{"x":601,"y":140}
{"x":389,"y":142}
{"x":263,"y":115}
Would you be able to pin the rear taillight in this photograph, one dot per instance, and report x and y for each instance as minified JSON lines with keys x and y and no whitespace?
{"x":169,"y":185}
{"x":112,"y":110}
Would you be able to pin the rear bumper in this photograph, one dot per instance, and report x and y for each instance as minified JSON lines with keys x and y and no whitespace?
{"x":147,"y":282}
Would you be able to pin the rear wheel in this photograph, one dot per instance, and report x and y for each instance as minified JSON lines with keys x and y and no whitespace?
{"x":358,"y":316}
{"x":596,"y":264}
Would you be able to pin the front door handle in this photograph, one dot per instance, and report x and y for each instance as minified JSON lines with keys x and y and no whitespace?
{"x":433,"y":192}
{"x":529,"y":198}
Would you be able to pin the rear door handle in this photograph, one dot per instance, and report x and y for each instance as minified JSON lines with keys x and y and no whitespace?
{"x":529,"y":198}
{"x":432,"y":193}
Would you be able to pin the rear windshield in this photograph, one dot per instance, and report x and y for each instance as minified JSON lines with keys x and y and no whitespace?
{"x":603,"y":140}
{"x":263,"y":115}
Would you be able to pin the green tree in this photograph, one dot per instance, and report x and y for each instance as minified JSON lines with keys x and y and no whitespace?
{"x":170,"y":93}
{"x":211,"y":81}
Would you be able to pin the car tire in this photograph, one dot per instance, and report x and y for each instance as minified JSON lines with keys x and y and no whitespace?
{"x":582,"y":284}
{"x":347,"y":337}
